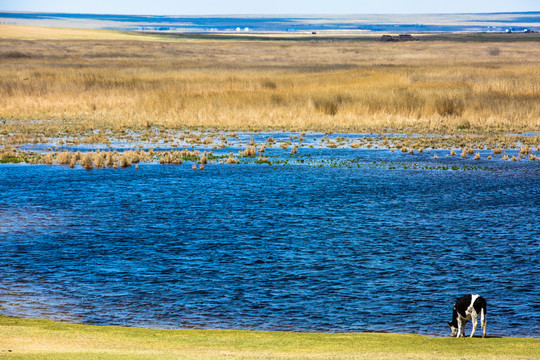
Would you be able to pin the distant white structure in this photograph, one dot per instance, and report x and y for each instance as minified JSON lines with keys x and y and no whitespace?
{"x":237,"y":29}
{"x":246,"y":29}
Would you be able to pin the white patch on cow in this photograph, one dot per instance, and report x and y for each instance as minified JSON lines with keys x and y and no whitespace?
{"x":473,"y":299}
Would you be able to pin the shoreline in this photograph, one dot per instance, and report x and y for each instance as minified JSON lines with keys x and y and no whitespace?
{"x":16,"y":319}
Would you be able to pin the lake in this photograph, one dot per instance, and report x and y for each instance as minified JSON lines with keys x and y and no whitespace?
{"x":310,"y":244}
{"x":394,"y":23}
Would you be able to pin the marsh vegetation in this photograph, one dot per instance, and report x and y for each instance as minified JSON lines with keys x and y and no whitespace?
{"x":64,"y":95}
{"x":75,"y":87}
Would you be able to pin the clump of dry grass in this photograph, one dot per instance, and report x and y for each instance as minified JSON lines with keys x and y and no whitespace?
{"x":110,"y":159}
{"x":133,"y":156}
{"x":449,"y":107}
{"x":232,"y":160}
{"x":525,"y":150}
{"x":125,"y":162}
{"x":73,"y":162}
{"x":99,"y":160}
{"x":64,"y":158}
{"x":269,"y":84}
{"x":466,"y":152}
{"x":494,"y":51}
{"x":328,"y":106}
{"x":86,"y":161}
{"x":189,"y":154}
{"x":173,"y":157}
{"x":249,"y":151}
{"x":47,"y":159}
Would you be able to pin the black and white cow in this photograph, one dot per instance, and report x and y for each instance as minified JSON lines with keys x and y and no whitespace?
{"x":466,"y":308}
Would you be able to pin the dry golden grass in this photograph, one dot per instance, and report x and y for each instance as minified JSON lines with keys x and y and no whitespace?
{"x":426,"y":87}
{"x":46,"y":33}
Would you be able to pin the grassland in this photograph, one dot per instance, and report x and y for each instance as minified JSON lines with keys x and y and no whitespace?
{"x":44,"y":339}
{"x":435,"y":87}
{"x":52,"y":33}
{"x":95,"y":86}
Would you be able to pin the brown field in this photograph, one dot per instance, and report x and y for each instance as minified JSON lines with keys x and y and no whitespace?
{"x":443,"y":87}
{"x":49,"y":33}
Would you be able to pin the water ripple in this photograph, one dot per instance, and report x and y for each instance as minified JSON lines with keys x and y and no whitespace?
{"x":255,"y":247}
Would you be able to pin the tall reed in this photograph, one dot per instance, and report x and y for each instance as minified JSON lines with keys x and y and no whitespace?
{"x":77,"y":87}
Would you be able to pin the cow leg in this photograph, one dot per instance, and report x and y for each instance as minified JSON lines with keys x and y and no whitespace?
{"x":483,"y":322}
{"x":474,"y":322}
{"x":463,"y":323}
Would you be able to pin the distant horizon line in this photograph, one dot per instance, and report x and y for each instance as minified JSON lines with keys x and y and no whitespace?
{"x":270,"y":15}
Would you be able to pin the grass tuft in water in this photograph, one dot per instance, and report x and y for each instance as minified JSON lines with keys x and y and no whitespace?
{"x":86,"y":162}
{"x":125,"y":162}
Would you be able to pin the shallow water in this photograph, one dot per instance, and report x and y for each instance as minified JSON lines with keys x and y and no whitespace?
{"x":293,"y":247}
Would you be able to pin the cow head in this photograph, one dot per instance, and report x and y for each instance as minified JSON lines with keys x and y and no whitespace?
{"x":453,"y":328}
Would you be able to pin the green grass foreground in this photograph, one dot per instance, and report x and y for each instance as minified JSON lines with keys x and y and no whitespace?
{"x":45,"y":339}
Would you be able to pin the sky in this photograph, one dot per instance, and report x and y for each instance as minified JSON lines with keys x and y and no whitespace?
{"x":231,"y":7}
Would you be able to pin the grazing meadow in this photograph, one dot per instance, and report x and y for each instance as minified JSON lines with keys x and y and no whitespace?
{"x":43,"y":339}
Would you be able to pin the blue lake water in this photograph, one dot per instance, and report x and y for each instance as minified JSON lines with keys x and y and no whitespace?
{"x":290,"y":247}
{"x":415,"y":23}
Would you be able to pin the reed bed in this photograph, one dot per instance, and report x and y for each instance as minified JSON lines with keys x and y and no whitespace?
{"x":99,"y":159}
{"x":85,"y":89}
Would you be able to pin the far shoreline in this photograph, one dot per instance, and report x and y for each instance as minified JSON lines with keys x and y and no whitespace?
{"x":44,"y":32}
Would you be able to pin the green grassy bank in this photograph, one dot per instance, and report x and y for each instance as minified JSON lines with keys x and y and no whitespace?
{"x":45,"y":339}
